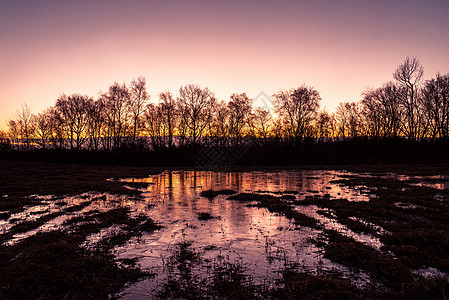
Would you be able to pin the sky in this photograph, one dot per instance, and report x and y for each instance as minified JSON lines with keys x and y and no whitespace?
{"x":340,"y":48}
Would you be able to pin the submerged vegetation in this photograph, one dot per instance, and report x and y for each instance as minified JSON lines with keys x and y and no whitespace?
{"x":374,"y":232}
{"x":55,"y":264}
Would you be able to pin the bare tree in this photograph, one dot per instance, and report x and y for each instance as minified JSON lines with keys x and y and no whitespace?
{"x":409,"y":75}
{"x":195,"y":106}
{"x":115,"y":103}
{"x":218,"y":127}
{"x":154,"y":125}
{"x":25,"y":125}
{"x":66,"y":115}
{"x":14,"y":133}
{"x":383,"y":110}
{"x":74,"y":111}
{"x":169,"y":115}
{"x":239,"y":114}
{"x":389,"y":96}
{"x":262,"y":123}
{"x":5,"y":142}
{"x":43,"y":127}
{"x":435,"y":103}
{"x":374,"y":113}
{"x":279,"y":128}
{"x":95,"y":123}
{"x":137,"y":104}
{"x":57,"y":128}
{"x":349,"y":119}
{"x":297,"y":107}
{"x":325,"y":125}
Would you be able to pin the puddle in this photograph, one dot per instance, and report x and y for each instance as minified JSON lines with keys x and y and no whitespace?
{"x":406,"y":205}
{"x":332,"y":224}
{"x":439,"y":182}
{"x":377,"y":228}
{"x":41,"y":197}
{"x":218,"y":229}
{"x":304,"y":182}
{"x":263,"y":242}
{"x":68,"y":207}
{"x":430,"y":272}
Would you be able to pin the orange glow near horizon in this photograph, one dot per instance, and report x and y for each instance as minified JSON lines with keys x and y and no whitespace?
{"x":60,"y":47}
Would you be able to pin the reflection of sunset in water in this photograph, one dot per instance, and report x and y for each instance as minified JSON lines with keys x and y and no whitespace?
{"x":263,"y":240}
{"x":306,"y":182}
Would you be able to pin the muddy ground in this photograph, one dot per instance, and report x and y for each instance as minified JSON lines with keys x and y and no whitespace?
{"x":407,"y":215}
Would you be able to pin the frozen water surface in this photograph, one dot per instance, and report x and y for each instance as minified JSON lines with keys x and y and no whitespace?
{"x":263,"y":242}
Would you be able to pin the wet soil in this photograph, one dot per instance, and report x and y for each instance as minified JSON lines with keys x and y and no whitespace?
{"x":79,"y":231}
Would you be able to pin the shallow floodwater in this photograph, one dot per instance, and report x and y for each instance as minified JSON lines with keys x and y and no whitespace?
{"x":264,"y":243}
{"x":305,"y":182}
{"x":219,"y":229}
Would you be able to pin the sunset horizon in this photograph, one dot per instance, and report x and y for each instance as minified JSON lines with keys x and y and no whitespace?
{"x":57,"y":47}
{"x":212,"y":149}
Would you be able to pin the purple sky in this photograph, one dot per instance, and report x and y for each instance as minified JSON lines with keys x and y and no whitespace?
{"x":338,"y":47}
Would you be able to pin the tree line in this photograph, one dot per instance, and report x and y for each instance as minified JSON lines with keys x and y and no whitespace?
{"x":124,"y":117}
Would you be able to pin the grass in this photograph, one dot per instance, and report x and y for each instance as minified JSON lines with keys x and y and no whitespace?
{"x":211,"y":194}
{"x":296,"y":285}
{"x":19,"y":179}
{"x":415,"y":237}
{"x":221,"y":279}
{"x":54,"y":265}
{"x":205,"y":216}
{"x":277,"y":205}
{"x":181,"y":281}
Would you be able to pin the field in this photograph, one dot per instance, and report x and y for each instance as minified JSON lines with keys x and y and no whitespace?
{"x":84,"y":231}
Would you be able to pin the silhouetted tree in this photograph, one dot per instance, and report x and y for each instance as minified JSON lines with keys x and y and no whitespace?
{"x":218,"y":127}
{"x":169,"y":115}
{"x":279,"y":129}
{"x":409,"y":75}
{"x":116,"y":106}
{"x":195,"y":105}
{"x":14,"y":132}
{"x":137,"y":104}
{"x":349,"y":119}
{"x":95,"y":123}
{"x":5,"y":142}
{"x":297,"y":107}
{"x":325,"y":125}
{"x":240,"y":109}
{"x":400,"y":109}
{"x":154,"y":125}
{"x":435,"y":103}
{"x":262,"y":123}
{"x":43,"y":127}
{"x":57,"y":128}
{"x":25,"y":126}
{"x":74,"y":112}
{"x":383,"y":111}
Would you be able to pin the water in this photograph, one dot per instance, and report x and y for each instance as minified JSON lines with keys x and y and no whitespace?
{"x":263,"y":242}
{"x":439,"y":182}
{"x":306,"y":182}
